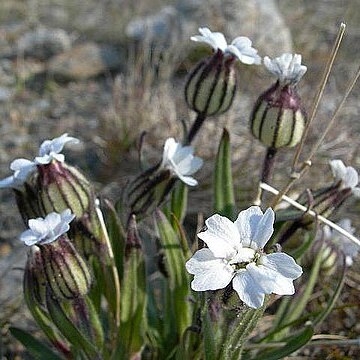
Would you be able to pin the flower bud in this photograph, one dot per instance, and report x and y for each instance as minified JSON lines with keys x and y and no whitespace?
{"x":61,"y":186}
{"x":329,"y":257}
{"x":27,"y":202}
{"x":278,"y":119}
{"x":210,"y":88}
{"x":34,"y":278}
{"x":67,"y":274}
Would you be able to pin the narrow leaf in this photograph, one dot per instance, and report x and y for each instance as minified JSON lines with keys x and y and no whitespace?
{"x":69,"y":330}
{"x":332,"y":301}
{"x":178,"y":278}
{"x":293,"y":344}
{"x":36,"y":348}
{"x":179,"y":197}
{"x":223,"y":184}
{"x":133,"y":298}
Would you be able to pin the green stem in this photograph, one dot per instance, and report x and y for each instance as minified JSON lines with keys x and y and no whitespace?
{"x":246,"y":322}
{"x":195,"y":128}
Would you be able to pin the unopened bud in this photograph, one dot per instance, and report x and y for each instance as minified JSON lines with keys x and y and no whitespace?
{"x":67,"y":274}
{"x":210,"y":88}
{"x":278,"y":119}
{"x":63,"y":187}
{"x":27,"y":202}
{"x":34,"y":278}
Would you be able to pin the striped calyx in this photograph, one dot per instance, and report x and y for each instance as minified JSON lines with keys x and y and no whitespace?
{"x":27,"y":202}
{"x":324,"y":202}
{"x":61,"y":187}
{"x":210,"y":88}
{"x":278,"y":119}
{"x":329,"y":257}
{"x":67,"y":274}
{"x":34,"y":278}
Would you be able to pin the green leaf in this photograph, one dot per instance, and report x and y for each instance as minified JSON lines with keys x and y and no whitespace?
{"x":88,"y":321}
{"x":210,"y":348}
{"x":41,"y":316}
{"x":69,"y":330}
{"x":117,"y":236}
{"x":223,"y":184}
{"x":332,"y":301}
{"x":133,"y":323}
{"x":293,"y":344}
{"x":179,"y":283}
{"x":36,"y":348}
{"x":298,"y":307}
{"x":306,"y":244}
{"x":179,"y":197}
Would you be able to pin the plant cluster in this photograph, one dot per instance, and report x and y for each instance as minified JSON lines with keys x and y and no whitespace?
{"x":122,"y":280}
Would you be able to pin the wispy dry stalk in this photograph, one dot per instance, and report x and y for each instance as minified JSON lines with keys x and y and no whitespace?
{"x":312,"y":213}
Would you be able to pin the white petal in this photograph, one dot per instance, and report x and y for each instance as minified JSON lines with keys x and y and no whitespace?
{"x":182,"y":152}
{"x":43,"y":160}
{"x":221,"y":236}
{"x":190,"y":165}
{"x":356,"y":192}
{"x":269,"y":280}
{"x":241,"y":48}
{"x":338,"y":169}
{"x":38,"y":226}
{"x":59,"y":142}
{"x":196,"y":164}
{"x":67,"y":216}
{"x":264,"y":228}
{"x":58,"y":157}
{"x":351,"y":178}
{"x":248,"y":290}
{"x":45,"y":147}
{"x":247,"y":222}
{"x":215,"y":39}
{"x":29,"y":238}
{"x":242,"y":42}
{"x":52,"y":220}
{"x":348,"y":260}
{"x":8,"y":182}
{"x":188,"y":180}
{"x":287,"y":67}
{"x":209,"y":272}
{"x":170,"y":148}
{"x":19,"y":164}
{"x":56,"y":145}
{"x":283,"y":264}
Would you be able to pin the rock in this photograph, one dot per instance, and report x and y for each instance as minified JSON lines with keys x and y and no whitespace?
{"x":85,"y":61}
{"x":260,"y":20}
{"x":43,"y":43}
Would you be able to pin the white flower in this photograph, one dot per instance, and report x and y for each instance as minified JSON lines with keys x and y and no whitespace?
{"x":181,"y":161}
{"x":22,"y":169}
{"x":50,"y":149}
{"x":239,"y":48}
{"x":348,"y":248}
{"x":235,"y":254}
{"x":347,"y":176}
{"x":46,"y":230}
{"x":287,"y":68}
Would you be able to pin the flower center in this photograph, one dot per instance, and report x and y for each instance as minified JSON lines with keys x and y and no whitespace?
{"x":245,"y":257}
